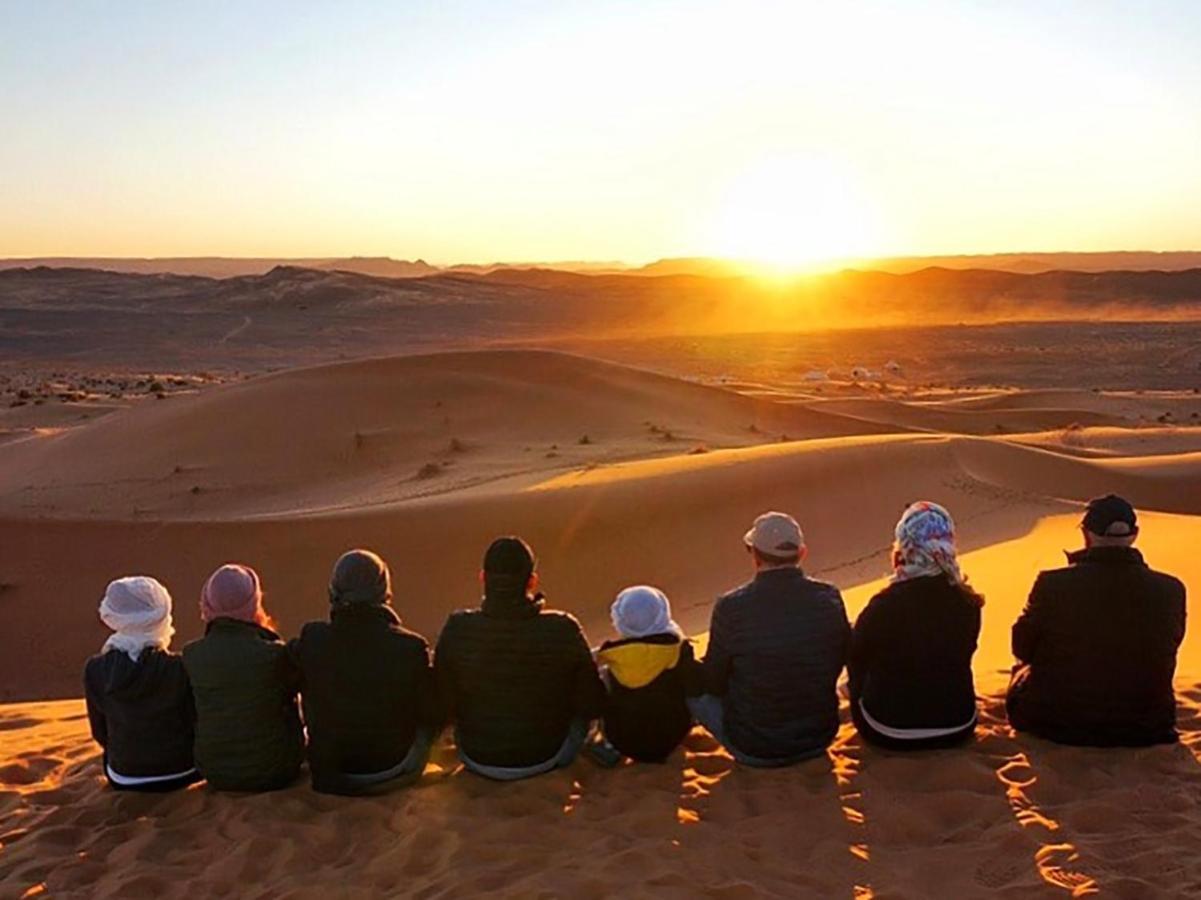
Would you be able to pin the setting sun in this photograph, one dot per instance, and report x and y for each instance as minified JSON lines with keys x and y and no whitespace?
{"x":788,"y":213}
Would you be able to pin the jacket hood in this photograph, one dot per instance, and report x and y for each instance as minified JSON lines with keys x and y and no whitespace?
{"x":512,"y":604}
{"x":637,"y":662}
{"x":225,"y":625}
{"x":354,"y":614}
{"x":128,"y":677}
{"x":1107,"y":555}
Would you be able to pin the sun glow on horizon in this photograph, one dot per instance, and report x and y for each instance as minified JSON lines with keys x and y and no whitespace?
{"x":789,"y":214}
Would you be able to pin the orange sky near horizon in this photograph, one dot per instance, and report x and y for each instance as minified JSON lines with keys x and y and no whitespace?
{"x":781,"y":133}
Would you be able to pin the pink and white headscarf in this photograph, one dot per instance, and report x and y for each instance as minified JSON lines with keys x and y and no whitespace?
{"x":925,"y":544}
{"x":233,"y":592}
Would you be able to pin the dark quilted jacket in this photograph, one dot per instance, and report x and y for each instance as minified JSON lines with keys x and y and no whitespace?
{"x":512,"y":676}
{"x":776,"y":648}
{"x":1097,"y":643}
{"x":367,"y":684}
{"x":248,"y":732}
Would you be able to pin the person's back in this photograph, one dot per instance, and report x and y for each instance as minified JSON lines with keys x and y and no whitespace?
{"x":910,"y":667}
{"x":515,"y":678}
{"x":1097,"y":644}
{"x":777,"y":647}
{"x":650,"y":672}
{"x":248,"y":731}
{"x":368,"y":692}
{"x":139,"y":701}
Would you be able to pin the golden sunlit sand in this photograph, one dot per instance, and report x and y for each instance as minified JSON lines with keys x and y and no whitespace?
{"x":332,"y":458}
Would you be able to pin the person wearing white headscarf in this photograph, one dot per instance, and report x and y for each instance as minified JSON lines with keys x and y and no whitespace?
{"x":139,"y":699}
{"x":138,"y":610}
{"x":650,"y":671}
{"x":910,"y":664}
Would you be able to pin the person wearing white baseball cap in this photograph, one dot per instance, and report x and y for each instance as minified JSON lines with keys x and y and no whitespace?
{"x":776,"y":648}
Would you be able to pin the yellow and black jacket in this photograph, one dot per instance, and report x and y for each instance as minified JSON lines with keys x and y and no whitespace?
{"x":649,"y":680}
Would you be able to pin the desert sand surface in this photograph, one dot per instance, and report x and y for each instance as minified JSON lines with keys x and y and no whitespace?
{"x":425,"y":459}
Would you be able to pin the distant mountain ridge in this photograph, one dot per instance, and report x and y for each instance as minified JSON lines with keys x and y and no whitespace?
{"x":387,"y":267}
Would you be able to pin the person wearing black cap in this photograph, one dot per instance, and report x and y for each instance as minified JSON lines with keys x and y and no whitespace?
{"x":1096,"y":644}
{"x":368,"y":690}
{"x":517,"y":680}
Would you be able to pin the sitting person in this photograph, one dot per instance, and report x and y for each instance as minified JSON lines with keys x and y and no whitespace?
{"x":248,"y":732}
{"x":138,"y":698}
{"x":911,"y":649}
{"x":1096,"y":644}
{"x":517,"y":680}
{"x":367,"y":686}
{"x":649,"y":672}
{"x":776,"y":648}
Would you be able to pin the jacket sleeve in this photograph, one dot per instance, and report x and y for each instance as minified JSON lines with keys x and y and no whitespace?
{"x":589,"y":689}
{"x":443,"y":672}
{"x":96,"y":717}
{"x":717,"y":658}
{"x":863,"y":647}
{"x":692,"y":673}
{"x":429,"y":703}
{"x":1181,"y":615}
{"x":1028,"y":629}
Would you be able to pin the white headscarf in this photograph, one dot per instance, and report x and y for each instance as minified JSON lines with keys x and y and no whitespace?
{"x":641,"y":611}
{"x":138,"y":610}
{"x":925,"y":544}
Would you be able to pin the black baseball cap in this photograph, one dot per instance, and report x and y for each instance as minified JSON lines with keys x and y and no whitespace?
{"x":1110,"y":516}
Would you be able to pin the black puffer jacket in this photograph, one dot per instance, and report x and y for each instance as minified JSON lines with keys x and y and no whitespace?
{"x":649,"y":682}
{"x":141,"y":712}
{"x":248,"y":732}
{"x":1097,"y":643}
{"x":911,"y":654}
{"x":776,"y":648}
{"x":513,"y":676}
{"x":367,"y":684}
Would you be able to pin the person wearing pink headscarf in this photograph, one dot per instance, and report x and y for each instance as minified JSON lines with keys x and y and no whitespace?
{"x":910,"y":665}
{"x":248,"y":731}
{"x":234,"y":592}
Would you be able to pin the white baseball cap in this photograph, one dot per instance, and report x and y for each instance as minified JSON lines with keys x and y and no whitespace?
{"x":776,"y":534}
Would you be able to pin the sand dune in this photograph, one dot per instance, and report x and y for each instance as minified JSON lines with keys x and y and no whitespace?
{"x":374,"y":431}
{"x":285,"y":485}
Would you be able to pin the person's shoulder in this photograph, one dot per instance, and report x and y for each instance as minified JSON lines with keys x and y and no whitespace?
{"x":1169,"y":584}
{"x":737,"y":595}
{"x":410,"y":638}
{"x":560,"y":620}
{"x":823,"y":590}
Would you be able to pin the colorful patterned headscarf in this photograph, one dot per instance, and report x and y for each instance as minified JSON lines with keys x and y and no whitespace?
{"x":925,"y":544}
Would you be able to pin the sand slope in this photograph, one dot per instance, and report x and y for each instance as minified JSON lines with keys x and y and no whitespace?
{"x":362,"y":433}
{"x":1010,"y":816}
{"x":285,"y":485}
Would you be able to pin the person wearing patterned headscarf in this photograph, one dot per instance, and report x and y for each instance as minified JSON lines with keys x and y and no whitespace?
{"x":911,"y":651}
{"x":138,"y":697}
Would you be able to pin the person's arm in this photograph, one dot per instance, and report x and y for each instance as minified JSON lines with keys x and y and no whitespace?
{"x":429,"y":704}
{"x":96,"y":717}
{"x":1181,"y":615}
{"x":862,"y":650}
{"x":589,"y":689}
{"x":718,"y":658}
{"x":692,"y":674}
{"x":1028,"y":629}
{"x":444,"y":683}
